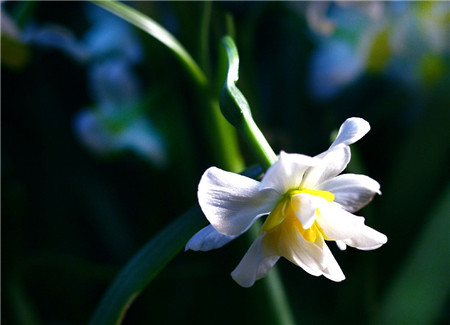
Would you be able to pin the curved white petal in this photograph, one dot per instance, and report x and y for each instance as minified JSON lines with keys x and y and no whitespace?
{"x":337,"y":157}
{"x":254,"y":265}
{"x":333,"y":162}
{"x":315,"y":258}
{"x":232,"y":202}
{"x":332,"y":271}
{"x":341,"y":245}
{"x":304,"y":207}
{"x":366,"y":239}
{"x":339,"y":224}
{"x":208,"y":238}
{"x":351,"y":130}
{"x":287,"y":173}
{"x":309,"y":256}
{"x":351,"y":191}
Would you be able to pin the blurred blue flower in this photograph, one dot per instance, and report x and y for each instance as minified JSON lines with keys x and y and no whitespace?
{"x":333,"y":65}
{"x":108,"y":36}
{"x":117,"y":122}
{"x":338,"y":59}
{"x":112,"y":82}
{"x":105,"y":133}
{"x":58,"y":37}
{"x":406,"y":41}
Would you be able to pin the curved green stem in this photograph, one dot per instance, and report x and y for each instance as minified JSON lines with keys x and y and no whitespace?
{"x":274,"y":287}
{"x":236,"y":109}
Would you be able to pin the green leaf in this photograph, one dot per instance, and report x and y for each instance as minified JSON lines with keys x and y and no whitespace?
{"x":157,"y":31}
{"x":149,"y":261}
{"x":145,"y":265}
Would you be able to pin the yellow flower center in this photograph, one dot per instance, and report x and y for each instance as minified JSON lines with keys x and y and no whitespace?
{"x":283,"y":217}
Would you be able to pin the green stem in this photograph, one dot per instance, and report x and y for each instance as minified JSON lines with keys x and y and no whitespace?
{"x":274,"y":287}
{"x":278,"y":298}
{"x":261,"y":148}
{"x":148,"y":25}
{"x":237,"y":111}
{"x":225,"y":142}
{"x":204,"y":37}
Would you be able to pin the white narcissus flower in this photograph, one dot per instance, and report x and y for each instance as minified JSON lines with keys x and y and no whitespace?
{"x":307,"y":203}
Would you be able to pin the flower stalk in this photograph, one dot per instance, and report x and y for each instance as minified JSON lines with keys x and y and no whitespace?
{"x":236,"y":109}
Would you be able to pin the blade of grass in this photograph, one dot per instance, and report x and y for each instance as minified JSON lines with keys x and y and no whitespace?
{"x":145,"y":265}
{"x":148,"y":25}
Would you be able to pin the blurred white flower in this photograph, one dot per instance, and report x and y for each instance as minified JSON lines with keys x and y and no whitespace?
{"x":306,"y":202}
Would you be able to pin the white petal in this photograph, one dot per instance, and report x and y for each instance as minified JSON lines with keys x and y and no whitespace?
{"x":366,"y":239}
{"x":351,"y":191}
{"x":232,"y":202}
{"x":333,"y":162}
{"x":337,"y":223}
{"x":309,"y":256}
{"x":254,"y":265}
{"x":304,"y":207}
{"x":337,"y":157}
{"x":208,"y":238}
{"x":332,"y":271}
{"x":351,"y":131}
{"x":287,"y":172}
{"x":315,"y":258}
{"x":341,"y":245}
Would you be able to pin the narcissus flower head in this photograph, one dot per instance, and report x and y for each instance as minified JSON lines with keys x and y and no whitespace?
{"x":307,"y":203}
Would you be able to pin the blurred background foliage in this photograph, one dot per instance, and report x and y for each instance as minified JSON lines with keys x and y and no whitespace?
{"x":103,"y":145}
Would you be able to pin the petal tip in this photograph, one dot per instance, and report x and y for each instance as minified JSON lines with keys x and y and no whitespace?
{"x":351,"y":130}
